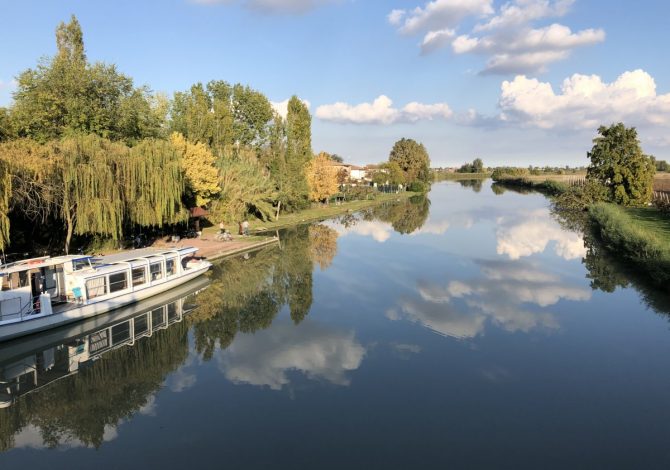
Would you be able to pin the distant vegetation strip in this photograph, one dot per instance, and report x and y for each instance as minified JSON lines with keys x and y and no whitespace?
{"x":327,"y":211}
{"x":640,"y":235}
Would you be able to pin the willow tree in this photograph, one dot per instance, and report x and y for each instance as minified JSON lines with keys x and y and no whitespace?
{"x":29,"y":182}
{"x":5,"y":193}
{"x":245,"y":188}
{"x":152,"y":182}
{"x":91,"y":196}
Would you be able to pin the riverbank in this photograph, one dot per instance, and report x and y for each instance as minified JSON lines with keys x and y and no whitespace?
{"x":462,"y":176}
{"x":639,"y":235}
{"x":314,"y":214}
{"x":213,"y":249}
{"x":552,"y":187}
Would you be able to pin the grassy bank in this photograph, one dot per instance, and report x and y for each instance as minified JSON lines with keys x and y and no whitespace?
{"x":639,"y":235}
{"x":318,"y":213}
{"x":546,"y":185}
{"x":461,"y":176}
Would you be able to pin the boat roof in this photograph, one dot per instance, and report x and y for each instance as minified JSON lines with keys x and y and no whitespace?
{"x":36,"y":263}
{"x":142,"y":253}
{"x":98,"y":261}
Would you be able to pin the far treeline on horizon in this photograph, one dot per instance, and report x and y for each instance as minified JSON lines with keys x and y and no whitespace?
{"x":85,"y":153}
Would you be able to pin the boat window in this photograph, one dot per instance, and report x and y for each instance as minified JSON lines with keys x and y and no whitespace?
{"x":96,"y":287}
{"x":157,"y":318}
{"x":5,"y":282}
{"x":118,"y":281}
{"x":171,"y":267}
{"x":80,"y":264}
{"x":19,"y":279}
{"x":139,"y":276}
{"x":156,"y":270}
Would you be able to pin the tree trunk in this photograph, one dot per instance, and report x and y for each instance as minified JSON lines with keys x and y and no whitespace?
{"x":68,"y":237}
{"x":278,"y":207}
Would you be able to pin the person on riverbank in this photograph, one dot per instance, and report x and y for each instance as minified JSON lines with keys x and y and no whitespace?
{"x":245,"y":228}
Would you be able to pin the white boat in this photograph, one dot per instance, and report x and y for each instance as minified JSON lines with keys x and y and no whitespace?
{"x":42,"y":293}
{"x":30,"y":363}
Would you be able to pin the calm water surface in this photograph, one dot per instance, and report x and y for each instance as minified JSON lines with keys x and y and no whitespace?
{"x":469,"y":330}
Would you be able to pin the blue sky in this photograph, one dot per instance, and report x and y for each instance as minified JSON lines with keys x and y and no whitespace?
{"x":468,"y":78}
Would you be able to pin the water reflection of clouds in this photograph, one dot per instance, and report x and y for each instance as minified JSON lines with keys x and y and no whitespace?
{"x":31,"y":437}
{"x":504,"y":295}
{"x":264,"y":358}
{"x":378,"y":231}
{"x":530,"y":232}
{"x":184,"y":378}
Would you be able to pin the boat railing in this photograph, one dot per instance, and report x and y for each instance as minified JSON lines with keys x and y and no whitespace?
{"x":24,"y":310}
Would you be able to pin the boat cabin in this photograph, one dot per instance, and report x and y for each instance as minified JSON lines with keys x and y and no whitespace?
{"x":47,"y":285}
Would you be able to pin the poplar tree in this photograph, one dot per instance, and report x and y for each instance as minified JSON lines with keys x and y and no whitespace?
{"x":298,"y":153}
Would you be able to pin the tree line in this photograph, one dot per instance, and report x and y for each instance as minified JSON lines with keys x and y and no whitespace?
{"x":83,"y":151}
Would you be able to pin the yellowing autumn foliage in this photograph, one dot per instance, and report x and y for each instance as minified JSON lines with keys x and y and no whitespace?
{"x":321,"y":178}
{"x":202,"y":179}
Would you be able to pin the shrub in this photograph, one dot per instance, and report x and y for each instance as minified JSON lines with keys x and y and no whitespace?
{"x":417,"y":187}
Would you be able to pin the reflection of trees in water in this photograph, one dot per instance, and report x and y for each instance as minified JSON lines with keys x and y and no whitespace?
{"x":406,"y":216}
{"x":605,"y":271}
{"x":247,"y":294}
{"x":322,"y":245}
{"x":116,"y":386}
{"x":501,"y":188}
{"x":475,"y":185}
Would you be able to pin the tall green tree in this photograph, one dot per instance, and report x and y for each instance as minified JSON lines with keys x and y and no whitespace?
{"x":412,"y":158}
{"x":298,"y":154}
{"x":618,"y":164}
{"x":65,"y":95}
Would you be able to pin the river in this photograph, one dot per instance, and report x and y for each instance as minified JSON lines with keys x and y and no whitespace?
{"x":469,"y":329}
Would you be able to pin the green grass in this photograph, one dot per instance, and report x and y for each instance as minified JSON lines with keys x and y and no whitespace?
{"x":639,"y":235}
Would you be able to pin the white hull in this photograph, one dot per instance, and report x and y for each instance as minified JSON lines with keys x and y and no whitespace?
{"x":41,"y":323}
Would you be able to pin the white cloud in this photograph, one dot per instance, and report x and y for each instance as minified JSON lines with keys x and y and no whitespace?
{"x":440,"y":14}
{"x":272,"y":6}
{"x":530,"y":51}
{"x":519,"y":13}
{"x":531,"y":232}
{"x":585,"y":102}
{"x":265,"y":358}
{"x":30,"y":437}
{"x":281,"y":107}
{"x":381,"y":111}
{"x":508,"y":38}
{"x":396,"y":16}
{"x":501,"y":295}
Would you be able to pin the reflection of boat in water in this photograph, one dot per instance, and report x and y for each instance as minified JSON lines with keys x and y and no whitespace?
{"x":44,"y":293}
{"x":30,"y":363}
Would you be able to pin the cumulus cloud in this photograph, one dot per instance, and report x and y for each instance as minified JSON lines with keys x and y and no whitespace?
{"x":531,"y":232}
{"x":506,"y":294}
{"x":585,"y":101}
{"x":507,"y":38}
{"x":281,"y":107}
{"x":527,"y":52}
{"x":266,"y":357}
{"x":272,"y":6}
{"x":438,"y":14}
{"x":381,"y":111}
{"x":31,"y":437}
